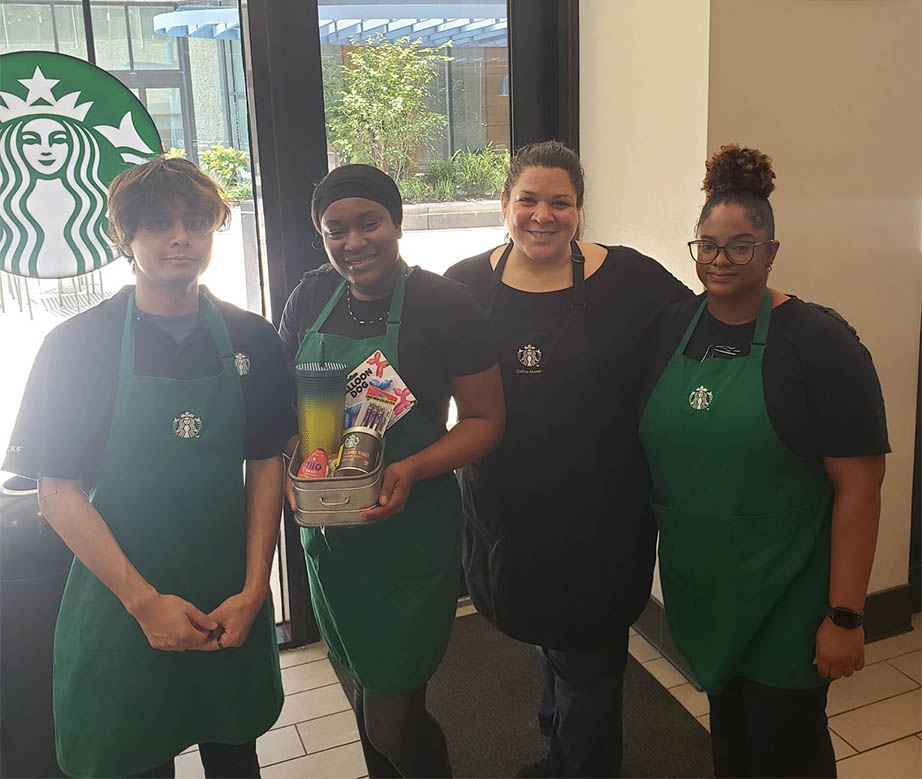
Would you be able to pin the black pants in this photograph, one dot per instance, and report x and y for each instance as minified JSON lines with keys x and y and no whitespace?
{"x":221,"y":761}
{"x":400,"y":738}
{"x":761,"y":731}
{"x":581,"y":708}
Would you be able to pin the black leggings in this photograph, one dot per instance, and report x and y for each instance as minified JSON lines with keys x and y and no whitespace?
{"x":400,"y":738}
{"x":221,"y":761}
{"x":761,"y":731}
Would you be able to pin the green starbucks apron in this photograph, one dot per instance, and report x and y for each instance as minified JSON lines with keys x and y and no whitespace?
{"x":385,"y":595}
{"x":744,"y":523}
{"x":171,"y":491}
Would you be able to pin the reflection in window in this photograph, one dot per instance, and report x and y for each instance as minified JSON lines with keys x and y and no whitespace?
{"x":71,"y":35}
{"x":26,"y":26}
{"x":110,"y":32}
{"x":149,"y":50}
{"x":165,"y":108}
{"x":236,"y":107}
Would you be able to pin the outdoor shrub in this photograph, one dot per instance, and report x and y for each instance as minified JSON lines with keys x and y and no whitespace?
{"x":242,"y":190}
{"x":381,"y":115}
{"x":479,"y":173}
{"x":469,"y":174}
{"x":415,"y":190}
{"x":225,"y":164}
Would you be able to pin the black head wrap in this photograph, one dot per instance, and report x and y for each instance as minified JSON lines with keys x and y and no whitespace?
{"x":356,"y":181}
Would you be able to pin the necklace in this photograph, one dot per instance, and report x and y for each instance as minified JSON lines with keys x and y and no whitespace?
{"x":352,"y":315}
{"x":355,"y":318}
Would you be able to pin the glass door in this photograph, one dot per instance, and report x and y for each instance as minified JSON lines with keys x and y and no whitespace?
{"x":432,"y":80}
{"x":194,"y":92}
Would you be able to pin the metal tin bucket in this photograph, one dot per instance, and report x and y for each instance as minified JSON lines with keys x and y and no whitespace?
{"x":335,"y":501}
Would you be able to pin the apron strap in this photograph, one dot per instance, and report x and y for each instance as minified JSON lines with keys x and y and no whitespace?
{"x":215,"y":323}
{"x":126,"y":355}
{"x":759,"y":337}
{"x":578,"y":299}
{"x":394,"y":313}
{"x":680,"y":350}
{"x":328,"y":308}
{"x":496,"y":279}
{"x":579,"y":275}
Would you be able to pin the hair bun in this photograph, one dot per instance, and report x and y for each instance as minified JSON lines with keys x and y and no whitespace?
{"x":733,"y":169}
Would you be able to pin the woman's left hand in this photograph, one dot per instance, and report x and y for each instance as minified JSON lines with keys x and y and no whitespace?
{"x":839,"y":651}
{"x":235,"y":615}
{"x":398,"y":480}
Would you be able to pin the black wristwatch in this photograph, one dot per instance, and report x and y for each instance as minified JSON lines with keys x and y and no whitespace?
{"x":845,"y":618}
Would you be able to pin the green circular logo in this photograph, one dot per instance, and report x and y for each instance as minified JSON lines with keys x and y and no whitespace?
{"x":67,"y":128}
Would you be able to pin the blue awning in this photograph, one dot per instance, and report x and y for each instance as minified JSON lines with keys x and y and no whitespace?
{"x":191,"y":22}
{"x":464,"y":24}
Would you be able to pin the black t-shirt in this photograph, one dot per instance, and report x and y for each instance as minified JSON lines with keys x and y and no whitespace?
{"x":821,"y":389}
{"x":624,"y":297}
{"x":443,"y":334}
{"x":66,"y":412}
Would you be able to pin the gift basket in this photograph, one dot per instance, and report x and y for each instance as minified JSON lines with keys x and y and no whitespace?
{"x":343,"y":419}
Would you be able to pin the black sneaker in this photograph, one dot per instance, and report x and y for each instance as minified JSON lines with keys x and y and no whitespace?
{"x":540,"y":769}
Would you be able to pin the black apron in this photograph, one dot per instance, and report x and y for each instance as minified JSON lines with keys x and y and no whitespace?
{"x":544,"y":556}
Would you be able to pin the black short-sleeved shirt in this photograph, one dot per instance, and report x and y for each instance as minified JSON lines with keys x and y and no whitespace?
{"x":623,"y":300}
{"x":443,"y":334}
{"x":821,"y":390}
{"x":66,"y":412}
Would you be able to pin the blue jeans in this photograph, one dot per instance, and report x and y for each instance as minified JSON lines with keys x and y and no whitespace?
{"x":581,"y":708}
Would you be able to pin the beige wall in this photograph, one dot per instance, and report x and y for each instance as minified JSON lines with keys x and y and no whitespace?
{"x":643,"y":123}
{"x":831,"y":90}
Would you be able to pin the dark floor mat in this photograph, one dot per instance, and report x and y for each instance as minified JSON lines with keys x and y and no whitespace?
{"x":486,"y":691}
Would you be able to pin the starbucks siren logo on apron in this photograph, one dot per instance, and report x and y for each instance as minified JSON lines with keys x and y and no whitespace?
{"x":242,"y":363}
{"x":67,"y":128}
{"x":530,"y":356}
{"x":701,"y":399}
{"x":187,"y":425}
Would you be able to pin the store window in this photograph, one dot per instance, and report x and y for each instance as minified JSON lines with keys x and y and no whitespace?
{"x":69,"y":27}
{"x":194,"y":91}
{"x":435,"y":114}
{"x":165,"y":108}
{"x":26,"y":26}
{"x":110,"y":33}
{"x":149,"y":50}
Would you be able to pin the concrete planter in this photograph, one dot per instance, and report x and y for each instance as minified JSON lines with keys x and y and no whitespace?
{"x":453,"y":215}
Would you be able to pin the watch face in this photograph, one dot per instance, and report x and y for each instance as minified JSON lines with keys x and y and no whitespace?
{"x":846,"y":618}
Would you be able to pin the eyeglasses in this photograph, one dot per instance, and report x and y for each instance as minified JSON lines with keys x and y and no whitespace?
{"x":738,"y":252}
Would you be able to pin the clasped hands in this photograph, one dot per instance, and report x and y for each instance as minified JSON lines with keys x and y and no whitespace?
{"x":172,"y":624}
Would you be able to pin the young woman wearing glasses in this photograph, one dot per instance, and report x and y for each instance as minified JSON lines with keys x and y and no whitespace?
{"x":765,"y":434}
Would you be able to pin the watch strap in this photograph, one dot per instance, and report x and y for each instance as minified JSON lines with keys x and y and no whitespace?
{"x":845,"y":618}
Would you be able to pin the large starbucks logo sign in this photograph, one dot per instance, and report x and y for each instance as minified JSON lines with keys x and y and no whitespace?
{"x":67,"y":129}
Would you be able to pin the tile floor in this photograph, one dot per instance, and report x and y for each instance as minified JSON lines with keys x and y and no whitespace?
{"x":875,"y":716}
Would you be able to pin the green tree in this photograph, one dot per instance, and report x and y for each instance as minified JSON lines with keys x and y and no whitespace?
{"x":381,"y":116}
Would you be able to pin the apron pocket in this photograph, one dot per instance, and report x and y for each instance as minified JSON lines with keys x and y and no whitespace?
{"x":768,"y":550}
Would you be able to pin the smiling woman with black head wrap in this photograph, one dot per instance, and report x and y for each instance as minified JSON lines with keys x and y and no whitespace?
{"x":385,"y":594}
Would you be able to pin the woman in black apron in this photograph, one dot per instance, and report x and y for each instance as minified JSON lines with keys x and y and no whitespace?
{"x":385,"y":595}
{"x":559,"y":540}
{"x":766,"y":437}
